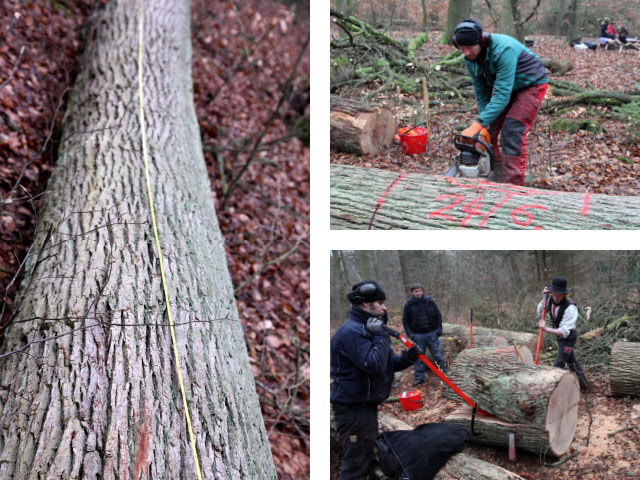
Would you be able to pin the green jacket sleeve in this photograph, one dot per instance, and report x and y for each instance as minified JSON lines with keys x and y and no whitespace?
{"x":506,"y":64}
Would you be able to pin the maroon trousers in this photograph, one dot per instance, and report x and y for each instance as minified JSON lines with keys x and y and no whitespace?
{"x":512,"y":126}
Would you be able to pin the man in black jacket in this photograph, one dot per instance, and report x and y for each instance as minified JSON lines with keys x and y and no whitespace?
{"x":362,"y":368}
{"x":423,"y":323}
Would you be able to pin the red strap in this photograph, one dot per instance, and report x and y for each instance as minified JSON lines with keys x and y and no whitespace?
{"x":444,"y":378}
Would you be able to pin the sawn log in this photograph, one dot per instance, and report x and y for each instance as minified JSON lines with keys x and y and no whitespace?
{"x":541,"y":399}
{"x":380,"y":199}
{"x":360,"y":128}
{"x":483,"y":337}
{"x":624,"y":374}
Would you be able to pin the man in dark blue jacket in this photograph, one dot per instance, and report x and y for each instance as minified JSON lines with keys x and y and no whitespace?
{"x":422,"y":321}
{"x":509,"y":82}
{"x":362,"y":368}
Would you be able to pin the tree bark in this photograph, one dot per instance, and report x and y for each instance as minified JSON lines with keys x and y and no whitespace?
{"x":624,"y":374}
{"x":93,"y":391}
{"x":492,"y":431}
{"x":544,"y":398}
{"x":483,"y":336}
{"x":360,"y":128}
{"x":458,"y":10}
{"x":389,"y":200}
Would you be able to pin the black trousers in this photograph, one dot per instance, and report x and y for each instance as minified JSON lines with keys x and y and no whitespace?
{"x":566,"y":356}
{"x":358,"y":430}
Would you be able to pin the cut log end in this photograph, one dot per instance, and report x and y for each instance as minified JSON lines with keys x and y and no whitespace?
{"x":562,"y":414}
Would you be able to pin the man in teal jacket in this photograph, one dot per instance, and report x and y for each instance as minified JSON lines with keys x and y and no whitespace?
{"x":509,"y":83}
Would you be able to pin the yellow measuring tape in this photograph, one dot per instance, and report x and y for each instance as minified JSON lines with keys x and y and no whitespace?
{"x":155,"y":233}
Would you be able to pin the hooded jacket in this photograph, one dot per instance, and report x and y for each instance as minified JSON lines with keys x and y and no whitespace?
{"x":502,"y":67}
{"x":421,"y":315}
{"x":362,"y":364}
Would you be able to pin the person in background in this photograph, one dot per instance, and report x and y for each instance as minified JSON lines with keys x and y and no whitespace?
{"x":362,"y":368}
{"x":422,"y":321}
{"x":563,"y":314}
{"x":509,"y":82}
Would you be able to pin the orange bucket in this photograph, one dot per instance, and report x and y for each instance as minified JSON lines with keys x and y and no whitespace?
{"x":411,"y":400}
{"x":413,"y":140}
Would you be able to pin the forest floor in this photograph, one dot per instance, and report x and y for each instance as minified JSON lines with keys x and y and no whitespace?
{"x":599,"y":456}
{"x":244,"y":54}
{"x":606,"y":162}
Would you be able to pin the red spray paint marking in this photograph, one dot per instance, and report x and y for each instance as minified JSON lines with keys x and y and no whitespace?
{"x":585,"y":205}
{"x":381,"y":199}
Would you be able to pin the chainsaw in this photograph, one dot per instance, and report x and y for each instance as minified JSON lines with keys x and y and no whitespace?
{"x":474,"y":160}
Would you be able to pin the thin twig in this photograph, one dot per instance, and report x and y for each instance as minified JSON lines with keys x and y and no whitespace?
{"x":285,"y":93}
{"x":15,"y":67}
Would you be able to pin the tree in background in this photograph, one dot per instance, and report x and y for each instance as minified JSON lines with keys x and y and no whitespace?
{"x":458,"y":10}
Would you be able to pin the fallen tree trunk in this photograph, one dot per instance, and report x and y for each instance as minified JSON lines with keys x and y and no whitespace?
{"x":90,"y":386}
{"x":544,"y":398}
{"x":557,"y":68}
{"x":483,"y":337}
{"x":492,"y":431}
{"x":360,"y":128}
{"x":624,"y":374}
{"x":459,"y":467}
{"x":373,"y":198}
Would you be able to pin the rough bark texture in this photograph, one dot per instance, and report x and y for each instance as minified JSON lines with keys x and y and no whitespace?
{"x":494,"y":432}
{"x":483,"y":336}
{"x":624,"y":373}
{"x":418,"y":201}
{"x":544,"y":398}
{"x":102,"y":400}
{"x":360,"y":128}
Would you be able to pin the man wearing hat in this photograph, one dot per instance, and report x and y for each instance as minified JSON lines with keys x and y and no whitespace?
{"x":563,"y":314}
{"x":509,"y":82}
{"x":362,"y":368}
{"x":422,"y":321}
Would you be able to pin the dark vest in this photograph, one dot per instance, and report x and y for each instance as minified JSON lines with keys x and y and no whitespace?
{"x":559,"y":310}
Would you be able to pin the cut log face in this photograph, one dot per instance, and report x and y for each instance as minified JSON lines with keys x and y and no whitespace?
{"x":624,"y":373}
{"x":418,"y":201}
{"x":360,"y":128}
{"x":500,"y":342}
{"x":543,"y":398}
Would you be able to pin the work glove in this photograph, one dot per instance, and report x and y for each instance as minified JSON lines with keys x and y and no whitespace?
{"x":375,"y":326}
{"x":483,"y":134}
{"x":414,"y":352}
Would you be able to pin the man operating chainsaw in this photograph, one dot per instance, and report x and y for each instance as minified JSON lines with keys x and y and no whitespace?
{"x":362,"y":368}
{"x":509,"y":82}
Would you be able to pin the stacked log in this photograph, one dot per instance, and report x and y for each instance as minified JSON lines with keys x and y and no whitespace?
{"x":624,"y":374}
{"x":483,"y":337}
{"x":537,"y":403}
{"x":360,"y":128}
{"x":459,"y":467}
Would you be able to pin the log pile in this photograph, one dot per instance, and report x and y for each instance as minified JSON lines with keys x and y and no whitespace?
{"x":539,"y":404}
{"x":483,"y":337}
{"x":360,"y":128}
{"x":624,"y":374}
{"x":373,"y":198}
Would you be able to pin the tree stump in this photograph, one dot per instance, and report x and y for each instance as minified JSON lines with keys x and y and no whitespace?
{"x":624,"y":374}
{"x":542,"y":398}
{"x":373,"y":198}
{"x":360,"y":128}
